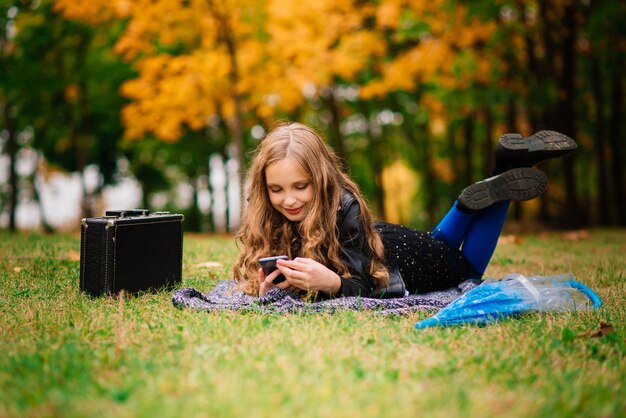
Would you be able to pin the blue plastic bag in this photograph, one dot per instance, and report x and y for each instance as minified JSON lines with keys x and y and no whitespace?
{"x":513,"y":295}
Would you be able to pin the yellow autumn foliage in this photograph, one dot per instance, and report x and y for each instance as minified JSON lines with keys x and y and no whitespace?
{"x":172,"y":92}
{"x":388,"y":14}
{"x":194,"y":58}
{"x":93,"y":12}
{"x":432,"y":57}
{"x":280,"y":49}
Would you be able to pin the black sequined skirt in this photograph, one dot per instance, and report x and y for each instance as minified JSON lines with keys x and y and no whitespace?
{"x":426,"y":264}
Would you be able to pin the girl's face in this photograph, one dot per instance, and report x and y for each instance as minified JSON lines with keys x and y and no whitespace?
{"x":290,"y":190}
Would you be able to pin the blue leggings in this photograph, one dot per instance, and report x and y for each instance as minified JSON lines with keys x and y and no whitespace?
{"x":478,"y":231}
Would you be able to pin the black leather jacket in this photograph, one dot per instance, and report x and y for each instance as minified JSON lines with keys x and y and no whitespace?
{"x":357,"y":256}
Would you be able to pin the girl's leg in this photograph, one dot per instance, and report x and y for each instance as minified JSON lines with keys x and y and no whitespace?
{"x":477,"y":217}
{"x":454,"y":226}
{"x":482,"y":236}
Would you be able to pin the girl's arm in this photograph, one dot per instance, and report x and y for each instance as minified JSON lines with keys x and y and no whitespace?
{"x":355,"y":251}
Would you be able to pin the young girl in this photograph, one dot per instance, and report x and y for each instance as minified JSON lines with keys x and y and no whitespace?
{"x":301,"y":204}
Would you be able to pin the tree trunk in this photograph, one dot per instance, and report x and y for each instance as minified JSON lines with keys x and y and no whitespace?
{"x":79,"y":126}
{"x":12,"y":148}
{"x":202,"y":181}
{"x":617,"y":139}
{"x":429,"y":181}
{"x":571,"y":213}
{"x":193,"y":219}
{"x":146,"y":191}
{"x":455,"y":187}
{"x":85,"y":207}
{"x":375,"y":149}
{"x":468,"y":148}
{"x":378,"y":151}
{"x":511,"y":117}
{"x":227,"y":186}
{"x":489,"y":160}
{"x":236,"y":125}
{"x":422,"y":146}
{"x":538,"y":73}
{"x":603,"y":202}
{"x":47,"y":228}
{"x":547,"y":30}
{"x":543,"y":76}
{"x":211,"y":215}
{"x":335,"y":127}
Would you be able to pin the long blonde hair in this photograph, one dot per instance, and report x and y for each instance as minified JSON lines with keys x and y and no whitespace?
{"x":265,"y":232}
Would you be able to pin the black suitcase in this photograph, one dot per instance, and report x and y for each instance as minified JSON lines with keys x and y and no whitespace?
{"x":130,"y":250}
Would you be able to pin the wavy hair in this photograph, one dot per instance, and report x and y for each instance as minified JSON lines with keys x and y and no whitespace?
{"x":264,"y":231}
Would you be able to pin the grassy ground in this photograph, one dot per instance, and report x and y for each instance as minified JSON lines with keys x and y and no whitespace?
{"x":64,"y":354}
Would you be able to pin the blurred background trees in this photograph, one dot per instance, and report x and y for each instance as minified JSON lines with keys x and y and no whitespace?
{"x":411,"y":94}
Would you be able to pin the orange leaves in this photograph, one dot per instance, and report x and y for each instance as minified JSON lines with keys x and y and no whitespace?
{"x":172,"y":92}
{"x":320,"y":39}
{"x":175,"y":92}
{"x":309,"y":45}
{"x":93,"y":12}
{"x":164,"y":22}
{"x":388,"y":14}
{"x":354,"y":51}
{"x":463,"y":31}
{"x":195,"y":56}
{"x":438,"y":34}
{"x":408,"y":69}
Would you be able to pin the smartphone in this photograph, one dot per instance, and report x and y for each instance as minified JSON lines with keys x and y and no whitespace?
{"x":268,"y":264}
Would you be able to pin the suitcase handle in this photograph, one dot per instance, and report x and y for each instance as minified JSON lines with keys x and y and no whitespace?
{"x":126,"y":213}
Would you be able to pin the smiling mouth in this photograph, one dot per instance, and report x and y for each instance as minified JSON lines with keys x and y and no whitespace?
{"x":293,"y":211}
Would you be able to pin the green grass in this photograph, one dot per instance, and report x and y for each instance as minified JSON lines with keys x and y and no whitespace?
{"x":65,"y":354}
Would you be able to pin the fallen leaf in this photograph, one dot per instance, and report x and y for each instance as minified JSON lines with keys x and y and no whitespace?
{"x":74,"y":255}
{"x":208,"y":265}
{"x":510,"y":239}
{"x":544,"y":236}
{"x":575,"y":235}
{"x":605,"y":329}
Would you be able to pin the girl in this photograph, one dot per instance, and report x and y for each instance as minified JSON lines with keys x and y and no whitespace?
{"x":303,"y":205}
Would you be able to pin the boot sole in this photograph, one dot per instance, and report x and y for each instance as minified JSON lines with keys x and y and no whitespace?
{"x":550,"y":141}
{"x":516,"y":184}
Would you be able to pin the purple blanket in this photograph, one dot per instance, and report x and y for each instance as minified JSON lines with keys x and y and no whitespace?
{"x":226,"y":296}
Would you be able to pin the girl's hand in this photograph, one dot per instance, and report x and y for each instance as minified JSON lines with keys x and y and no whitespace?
{"x":267,"y":283}
{"x":308,"y":274}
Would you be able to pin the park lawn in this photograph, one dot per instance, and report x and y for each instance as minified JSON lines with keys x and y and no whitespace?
{"x":65,"y":354}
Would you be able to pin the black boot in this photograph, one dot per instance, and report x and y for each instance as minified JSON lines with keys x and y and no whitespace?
{"x":517,"y":184}
{"x":514,"y":151}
